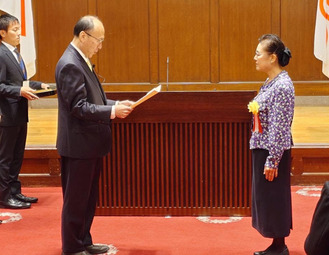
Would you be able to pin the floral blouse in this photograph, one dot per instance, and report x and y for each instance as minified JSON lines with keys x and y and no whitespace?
{"x":276,"y":101}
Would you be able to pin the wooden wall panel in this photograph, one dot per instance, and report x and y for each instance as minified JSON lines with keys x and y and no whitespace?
{"x":310,"y":164}
{"x":241,"y":24}
{"x":41,"y":167}
{"x":298,"y":33}
{"x":125,"y":56}
{"x":54,"y":22}
{"x":184,"y":37}
{"x":208,"y":42}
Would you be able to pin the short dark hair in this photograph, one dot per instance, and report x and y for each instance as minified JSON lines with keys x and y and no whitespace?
{"x":5,"y":21}
{"x":277,"y":47}
{"x":85,"y":23}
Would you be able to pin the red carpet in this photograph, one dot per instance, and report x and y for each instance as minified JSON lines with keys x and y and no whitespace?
{"x":38,"y":232}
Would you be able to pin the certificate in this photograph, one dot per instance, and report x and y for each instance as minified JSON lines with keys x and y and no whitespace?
{"x":45,"y":92}
{"x":149,"y":94}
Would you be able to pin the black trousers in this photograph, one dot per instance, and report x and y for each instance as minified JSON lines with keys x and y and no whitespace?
{"x":12,"y":147}
{"x":80,"y":179}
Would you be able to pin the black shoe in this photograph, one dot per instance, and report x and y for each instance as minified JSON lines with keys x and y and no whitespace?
{"x":97,"y":248}
{"x":77,"y":253}
{"x":270,"y":251}
{"x":25,"y":199}
{"x":262,"y":252}
{"x":13,"y":203}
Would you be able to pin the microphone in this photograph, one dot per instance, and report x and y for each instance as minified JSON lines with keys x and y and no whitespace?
{"x":100,"y":77}
{"x":167,"y":73}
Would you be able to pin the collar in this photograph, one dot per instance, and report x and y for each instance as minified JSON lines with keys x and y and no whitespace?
{"x":11,"y":49}
{"x":9,"y":46}
{"x":81,"y":53}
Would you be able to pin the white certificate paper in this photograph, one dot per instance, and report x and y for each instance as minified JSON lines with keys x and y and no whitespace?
{"x":149,"y":94}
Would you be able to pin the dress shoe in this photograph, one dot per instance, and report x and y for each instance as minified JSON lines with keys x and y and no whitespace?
{"x":26,"y":199}
{"x":13,"y":203}
{"x":285,"y":251}
{"x":97,"y":248}
{"x":76,"y":253}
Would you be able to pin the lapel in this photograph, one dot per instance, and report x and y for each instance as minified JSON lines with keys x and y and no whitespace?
{"x":91,"y":74}
{"x":12,"y":59}
{"x":99,"y":85}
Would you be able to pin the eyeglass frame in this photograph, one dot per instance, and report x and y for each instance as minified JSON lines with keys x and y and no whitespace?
{"x":99,"y":40}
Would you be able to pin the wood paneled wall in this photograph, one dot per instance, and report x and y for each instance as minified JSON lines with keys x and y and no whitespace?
{"x":207,"y":41}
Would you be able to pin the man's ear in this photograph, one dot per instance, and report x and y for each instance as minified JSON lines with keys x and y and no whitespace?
{"x":3,"y":33}
{"x":82,"y":36}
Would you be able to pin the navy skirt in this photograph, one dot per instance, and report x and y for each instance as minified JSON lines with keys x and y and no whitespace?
{"x":271,"y":201}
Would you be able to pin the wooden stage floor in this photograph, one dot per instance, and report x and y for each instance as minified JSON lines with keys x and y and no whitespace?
{"x":310,"y":126}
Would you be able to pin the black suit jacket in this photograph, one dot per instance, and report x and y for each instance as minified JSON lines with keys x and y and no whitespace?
{"x":317,"y":241}
{"x":13,"y":107}
{"x":83,"y":111}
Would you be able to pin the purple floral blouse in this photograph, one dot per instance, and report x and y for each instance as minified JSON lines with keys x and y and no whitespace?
{"x":276,"y":101}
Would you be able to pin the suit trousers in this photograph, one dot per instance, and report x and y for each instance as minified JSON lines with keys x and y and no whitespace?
{"x":12,"y":147}
{"x":80,"y":179}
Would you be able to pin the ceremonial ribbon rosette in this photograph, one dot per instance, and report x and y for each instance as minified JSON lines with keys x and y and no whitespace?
{"x":253,"y":108}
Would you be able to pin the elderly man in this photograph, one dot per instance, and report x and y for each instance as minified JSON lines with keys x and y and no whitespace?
{"x":84,"y":134}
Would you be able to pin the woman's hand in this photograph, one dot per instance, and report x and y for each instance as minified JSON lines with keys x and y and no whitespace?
{"x":270,"y":173}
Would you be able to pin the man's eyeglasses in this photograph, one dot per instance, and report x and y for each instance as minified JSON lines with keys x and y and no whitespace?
{"x":98,"y":39}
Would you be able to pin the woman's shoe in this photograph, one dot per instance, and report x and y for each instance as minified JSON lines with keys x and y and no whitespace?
{"x":271,"y":251}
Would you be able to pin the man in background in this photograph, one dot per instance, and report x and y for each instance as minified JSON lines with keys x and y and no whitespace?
{"x":13,"y":114}
{"x":84,"y":134}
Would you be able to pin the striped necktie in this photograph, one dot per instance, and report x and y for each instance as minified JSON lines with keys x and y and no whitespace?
{"x":21,"y":63}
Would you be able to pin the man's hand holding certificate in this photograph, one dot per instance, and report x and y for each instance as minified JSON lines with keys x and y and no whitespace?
{"x":150,"y":94}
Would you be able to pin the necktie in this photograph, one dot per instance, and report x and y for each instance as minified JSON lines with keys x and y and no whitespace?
{"x":89,"y":64}
{"x":21,"y":63}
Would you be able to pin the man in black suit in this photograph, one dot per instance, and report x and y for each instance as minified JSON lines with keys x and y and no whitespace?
{"x":13,"y":114}
{"x":84,"y":134}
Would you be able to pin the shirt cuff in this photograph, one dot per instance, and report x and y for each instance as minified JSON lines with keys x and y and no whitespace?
{"x":113,"y":110}
{"x":272,"y":163}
